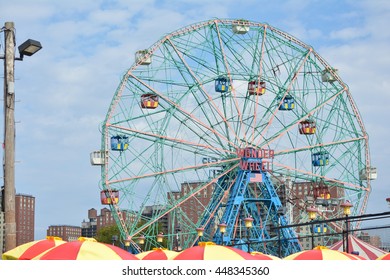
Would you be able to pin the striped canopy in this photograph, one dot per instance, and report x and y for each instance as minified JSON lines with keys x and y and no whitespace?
{"x":384,"y":257}
{"x":86,"y":249}
{"x":264,"y":257}
{"x":32,"y":249}
{"x":211,"y":251}
{"x":322,"y":253}
{"x":355,"y":244}
{"x":157,"y":254}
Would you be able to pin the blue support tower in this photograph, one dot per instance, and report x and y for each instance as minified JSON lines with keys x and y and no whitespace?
{"x":251,"y":195}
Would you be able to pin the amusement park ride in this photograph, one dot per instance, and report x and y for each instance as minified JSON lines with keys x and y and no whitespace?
{"x":242,"y":110}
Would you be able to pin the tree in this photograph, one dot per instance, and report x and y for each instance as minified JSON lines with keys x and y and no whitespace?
{"x":106,"y":234}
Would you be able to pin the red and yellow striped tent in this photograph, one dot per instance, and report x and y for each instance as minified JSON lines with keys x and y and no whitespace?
{"x":264,"y":257}
{"x":86,"y":249}
{"x":364,"y":249}
{"x":157,"y":254}
{"x":32,"y":249}
{"x":211,"y":251}
{"x":384,"y":257}
{"x":322,"y":253}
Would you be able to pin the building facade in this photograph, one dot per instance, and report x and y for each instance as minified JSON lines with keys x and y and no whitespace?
{"x":25,"y":218}
{"x":89,"y":228}
{"x":325,"y":198}
{"x":95,"y":222}
{"x":66,"y":232}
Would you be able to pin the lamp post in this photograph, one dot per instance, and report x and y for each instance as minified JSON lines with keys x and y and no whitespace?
{"x":312,"y":215}
{"x":388,"y":201}
{"x":248,"y":222}
{"x":114,"y":239}
{"x":347,"y":205}
{"x":178,"y":229}
{"x":28,"y":48}
{"x":222,"y":230}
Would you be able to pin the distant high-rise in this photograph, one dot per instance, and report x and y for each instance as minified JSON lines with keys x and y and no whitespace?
{"x":89,"y":228}
{"x":25,"y":218}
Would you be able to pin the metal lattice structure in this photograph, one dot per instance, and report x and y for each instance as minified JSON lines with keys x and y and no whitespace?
{"x":197,"y":96}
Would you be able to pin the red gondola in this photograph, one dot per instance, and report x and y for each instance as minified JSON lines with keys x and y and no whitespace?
{"x":149,"y":101}
{"x":256,"y":88}
{"x":107,"y":199}
{"x":307,"y":127}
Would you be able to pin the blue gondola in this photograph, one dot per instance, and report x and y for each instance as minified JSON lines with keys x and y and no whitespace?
{"x":119,"y":143}
{"x":222,"y":84}
{"x":320,"y":158}
{"x":320,"y":228}
{"x":288,"y":103}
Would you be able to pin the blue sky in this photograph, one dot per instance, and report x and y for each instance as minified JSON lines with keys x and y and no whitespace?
{"x":64,"y":91}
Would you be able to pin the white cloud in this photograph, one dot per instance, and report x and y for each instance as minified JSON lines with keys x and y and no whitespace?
{"x":349,"y":33}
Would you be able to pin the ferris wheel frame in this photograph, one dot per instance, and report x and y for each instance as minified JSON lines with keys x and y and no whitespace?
{"x":232,"y":125}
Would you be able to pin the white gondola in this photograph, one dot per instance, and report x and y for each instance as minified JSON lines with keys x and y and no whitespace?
{"x":240,"y":27}
{"x":327,"y":76}
{"x":98,"y":157}
{"x":371,"y":175}
{"x":143,"y":57}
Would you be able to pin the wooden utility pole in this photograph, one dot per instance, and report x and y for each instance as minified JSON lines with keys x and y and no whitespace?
{"x":9,"y":137}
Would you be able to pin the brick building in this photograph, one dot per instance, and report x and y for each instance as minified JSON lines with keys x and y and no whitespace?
{"x":194,"y":206}
{"x":326,"y":198}
{"x":25,"y":218}
{"x":89,"y":228}
{"x":66,"y":232}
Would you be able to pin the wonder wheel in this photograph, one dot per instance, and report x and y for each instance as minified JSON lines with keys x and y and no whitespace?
{"x":225,"y":122}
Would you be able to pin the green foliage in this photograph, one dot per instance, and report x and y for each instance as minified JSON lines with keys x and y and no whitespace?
{"x":105,"y":234}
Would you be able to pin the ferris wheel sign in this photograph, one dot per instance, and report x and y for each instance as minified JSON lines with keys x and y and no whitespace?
{"x":255,"y":159}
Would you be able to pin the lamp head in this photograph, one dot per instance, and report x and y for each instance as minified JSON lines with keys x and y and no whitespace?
{"x":160,"y":237}
{"x":200,"y":231}
{"x":312,"y":212}
{"x":222,"y":227}
{"x":141,"y":240}
{"x":347,"y":205}
{"x":248,"y":222}
{"x":29,"y":47}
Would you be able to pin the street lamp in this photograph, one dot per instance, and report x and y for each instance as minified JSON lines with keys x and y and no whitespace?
{"x":388,"y":201}
{"x":347,"y":205}
{"x":141,"y":240}
{"x":222,"y":230}
{"x":178,"y":229}
{"x":312,"y":215}
{"x":27,"y":48}
{"x":200,"y":232}
{"x":114,"y":239}
{"x":160,"y":237}
{"x":127,"y":242}
{"x":248,"y":222}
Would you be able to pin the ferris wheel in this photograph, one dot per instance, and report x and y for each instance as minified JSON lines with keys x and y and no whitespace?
{"x":224,"y":121}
